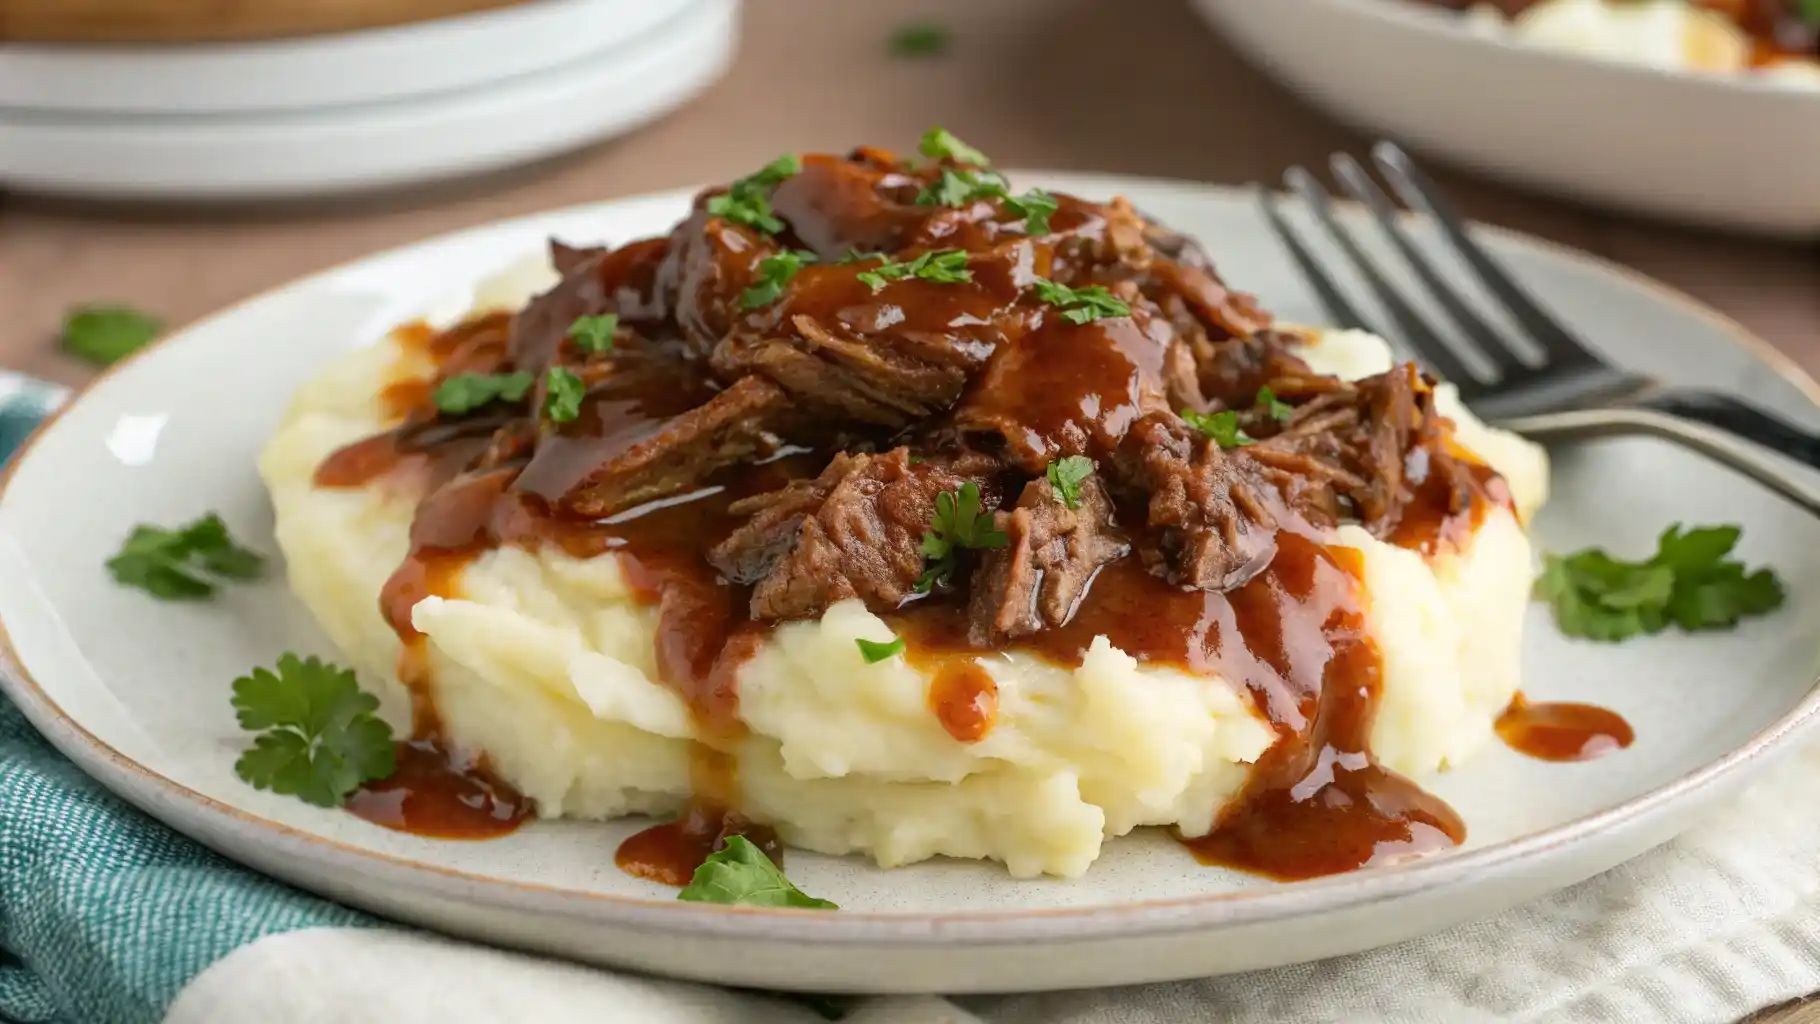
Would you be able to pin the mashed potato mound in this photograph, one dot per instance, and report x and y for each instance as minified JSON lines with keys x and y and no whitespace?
{"x":546,"y":662}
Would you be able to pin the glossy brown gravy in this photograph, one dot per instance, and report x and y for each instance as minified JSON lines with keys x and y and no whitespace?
{"x":433,"y":793}
{"x":1563,"y":732}
{"x":669,"y":853}
{"x":1295,"y":638}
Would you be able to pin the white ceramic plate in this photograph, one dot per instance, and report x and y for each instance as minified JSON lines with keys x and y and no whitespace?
{"x":373,"y":145}
{"x":1667,"y":144}
{"x":319,"y":71}
{"x":136,"y":691}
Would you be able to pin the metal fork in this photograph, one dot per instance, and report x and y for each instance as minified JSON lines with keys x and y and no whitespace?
{"x":1572,"y":391}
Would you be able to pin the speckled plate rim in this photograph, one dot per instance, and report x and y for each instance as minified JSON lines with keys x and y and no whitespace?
{"x":191,"y":812}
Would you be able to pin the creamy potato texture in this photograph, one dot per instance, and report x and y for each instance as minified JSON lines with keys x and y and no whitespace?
{"x":546,"y":662}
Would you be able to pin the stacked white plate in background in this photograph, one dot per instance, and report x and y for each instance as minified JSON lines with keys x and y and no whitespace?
{"x":353,"y":111}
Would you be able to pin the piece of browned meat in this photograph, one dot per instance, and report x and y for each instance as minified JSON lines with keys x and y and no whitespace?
{"x":594,"y":281}
{"x":1211,"y":526}
{"x":1390,"y":418}
{"x":862,"y":538}
{"x":596,"y":476}
{"x":850,"y":355}
{"x":1069,"y":389}
{"x":1038,"y":578}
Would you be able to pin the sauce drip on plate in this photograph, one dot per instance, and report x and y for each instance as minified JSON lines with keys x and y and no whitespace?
{"x":1563,"y":732}
{"x":436,"y":794}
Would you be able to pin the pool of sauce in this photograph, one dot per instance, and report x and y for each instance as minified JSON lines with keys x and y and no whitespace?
{"x":1552,"y":731}
{"x":1294,"y":638}
{"x":434,"y":793}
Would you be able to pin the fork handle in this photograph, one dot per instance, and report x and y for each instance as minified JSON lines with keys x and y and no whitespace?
{"x":1735,"y":416}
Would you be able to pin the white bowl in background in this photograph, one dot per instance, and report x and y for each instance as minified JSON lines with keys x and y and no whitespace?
{"x":1722,"y":151}
{"x":318,"y":71}
{"x":357,"y":147}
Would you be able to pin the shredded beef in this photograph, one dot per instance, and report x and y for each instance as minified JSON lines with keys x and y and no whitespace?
{"x":856,"y":531}
{"x":1053,"y":552}
{"x":734,"y":426}
{"x":852,"y":350}
{"x":1211,"y":525}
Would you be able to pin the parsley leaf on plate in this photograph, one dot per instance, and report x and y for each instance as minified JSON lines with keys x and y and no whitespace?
{"x":594,"y":334}
{"x":1081,"y":305}
{"x":947,"y":267}
{"x":741,"y":875}
{"x":747,"y":201}
{"x":1066,"y":476}
{"x":318,"y":736}
{"x":1278,"y":409}
{"x":919,"y":39}
{"x":563,"y":392}
{"x":774,"y":272}
{"x":187,"y":562}
{"x":107,"y":334}
{"x":1690,"y":582}
{"x":875,"y":652}
{"x":466,"y":392}
{"x":1223,"y":427}
{"x":959,"y":522}
{"x":939,"y":143}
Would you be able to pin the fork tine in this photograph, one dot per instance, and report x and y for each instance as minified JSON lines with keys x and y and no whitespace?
{"x":1416,"y":332}
{"x":1339,"y":310}
{"x":1359,"y":185}
{"x":1419,"y":192}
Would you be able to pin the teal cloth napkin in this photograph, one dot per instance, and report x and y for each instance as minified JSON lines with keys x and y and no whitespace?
{"x":105,"y":914}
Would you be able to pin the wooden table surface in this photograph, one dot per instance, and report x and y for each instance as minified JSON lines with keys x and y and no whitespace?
{"x":1138,"y":87}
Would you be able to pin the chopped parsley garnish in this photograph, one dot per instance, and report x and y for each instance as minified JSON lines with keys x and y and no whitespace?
{"x":740,"y":874}
{"x":465,"y":392}
{"x":875,"y":652}
{"x":185,"y":563}
{"x":1036,"y":207}
{"x":318,"y":736}
{"x":563,"y":392}
{"x":958,"y":188}
{"x":774,"y":272}
{"x":1066,"y":476}
{"x":940,"y":143}
{"x":960,"y":522}
{"x":1081,"y":305}
{"x":855,"y":256}
{"x":747,"y":201}
{"x":1223,"y":427}
{"x":947,"y":267}
{"x":919,"y":39}
{"x":594,"y":334}
{"x":1809,"y":10}
{"x":107,"y":334}
{"x":1278,"y":409}
{"x":1689,"y":582}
